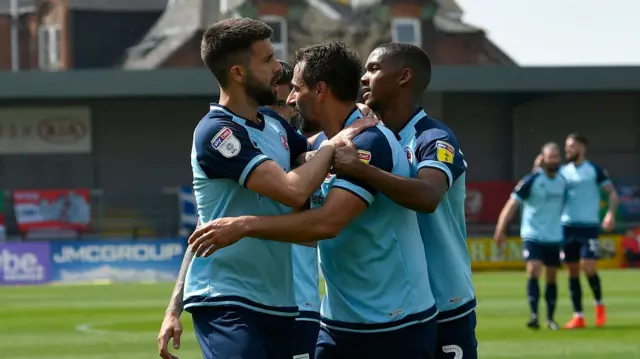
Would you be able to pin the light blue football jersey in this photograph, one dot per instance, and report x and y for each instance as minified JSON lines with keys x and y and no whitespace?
{"x":254,"y":273}
{"x":542,"y":198}
{"x":429,"y":143}
{"x":306,"y":281}
{"x":305,"y":268}
{"x":375,"y":270}
{"x":583,"y":193}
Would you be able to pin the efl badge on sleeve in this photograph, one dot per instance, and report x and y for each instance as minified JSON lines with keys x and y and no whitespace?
{"x":364,"y":156}
{"x":226,"y":143}
{"x":444,"y":152}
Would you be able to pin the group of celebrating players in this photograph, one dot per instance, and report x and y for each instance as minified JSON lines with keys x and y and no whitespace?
{"x":292,"y":176}
{"x":560,"y":221}
{"x":398,"y":284}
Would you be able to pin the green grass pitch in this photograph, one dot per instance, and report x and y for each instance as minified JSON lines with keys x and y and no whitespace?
{"x":121,"y":321}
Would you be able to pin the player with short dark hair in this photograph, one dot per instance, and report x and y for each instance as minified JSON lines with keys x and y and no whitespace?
{"x":396,"y":77}
{"x":378,"y":302}
{"x":542,"y":196}
{"x":242,"y":299}
{"x":580,"y":219}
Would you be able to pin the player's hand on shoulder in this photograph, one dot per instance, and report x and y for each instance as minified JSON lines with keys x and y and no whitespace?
{"x":171,"y":328}
{"x":215,"y":235}
{"x":346,"y":160}
{"x":344,"y":137}
{"x":366,"y":110}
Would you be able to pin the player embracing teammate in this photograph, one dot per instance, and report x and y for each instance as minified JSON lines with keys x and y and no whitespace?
{"x":560,"y":217}
{"x":386,"y":267}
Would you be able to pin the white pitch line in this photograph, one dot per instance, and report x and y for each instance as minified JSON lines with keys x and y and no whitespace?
{"x":89,"y":328}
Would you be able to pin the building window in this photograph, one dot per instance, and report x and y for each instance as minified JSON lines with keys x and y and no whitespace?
{"x":49,"y":52}
{"x":279,"y":38}
{"x":406,"y":31}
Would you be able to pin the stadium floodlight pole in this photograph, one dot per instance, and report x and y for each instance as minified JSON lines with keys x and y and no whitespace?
{"x":15,"y":41}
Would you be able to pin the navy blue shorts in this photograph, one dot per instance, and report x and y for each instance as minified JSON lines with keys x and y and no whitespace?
{"x":580,"y":243}
{"x":548,"y":254}
{"x":457,"y":338}
{"x":306,"y":338}
{"x":416,"y":341}
{"x":232,"y":332}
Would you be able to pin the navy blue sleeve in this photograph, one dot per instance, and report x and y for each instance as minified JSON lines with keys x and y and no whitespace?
{"x":223,"y":149}
{"x":523,"y":189}
{"x":438,"y":148}
{"x":602,"y":176}
{"x":373,"y":149}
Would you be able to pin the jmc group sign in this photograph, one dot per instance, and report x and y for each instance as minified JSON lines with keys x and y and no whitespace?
{"x":45,"y":130}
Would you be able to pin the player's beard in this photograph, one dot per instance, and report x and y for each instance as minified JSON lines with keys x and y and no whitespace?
{"x":263,"y":95}
{"x":552,"y":167}
{"x":307,"y":126}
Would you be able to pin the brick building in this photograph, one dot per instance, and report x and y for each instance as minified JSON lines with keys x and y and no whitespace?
{"x":75,"y":34}
{"x":435,"y":25}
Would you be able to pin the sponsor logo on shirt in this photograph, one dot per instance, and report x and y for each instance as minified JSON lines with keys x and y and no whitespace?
{"x":364,"y":156}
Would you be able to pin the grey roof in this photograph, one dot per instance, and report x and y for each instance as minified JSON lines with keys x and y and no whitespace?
{"x":100,"y":5}
{"x":119,"y":5}
{"x":177,"y":25}
{"x":448,"y":17}
{"x":199,"y":82}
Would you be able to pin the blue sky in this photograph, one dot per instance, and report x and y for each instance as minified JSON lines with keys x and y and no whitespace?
{"x":561,"y":32}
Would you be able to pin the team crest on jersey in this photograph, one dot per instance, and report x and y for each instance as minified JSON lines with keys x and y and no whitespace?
{"x":364,"y":156}
{"x":284,"y":141}
{"x":409,"y":153}
{"x":445,"y":152}
{"x":226,"y":143}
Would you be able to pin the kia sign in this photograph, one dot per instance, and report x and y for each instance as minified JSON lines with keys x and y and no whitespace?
{"x":45,"y":130}
{"x":24,"y":263}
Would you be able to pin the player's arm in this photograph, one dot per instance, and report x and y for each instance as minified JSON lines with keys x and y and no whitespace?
{"x":171,"y":326}
{"x":225,"y":150}
{"x":347,"y":199}
{"x":341,"y":207}
{"x":440,"y":164}
{"x":521,"y":193}
{"x":295,"y":187}
{"x":605,"y":182}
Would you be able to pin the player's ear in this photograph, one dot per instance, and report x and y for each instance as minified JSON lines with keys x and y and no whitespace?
{"x":405,"y":77}
{"x":236,"y":73}
{"x":321,"y":90}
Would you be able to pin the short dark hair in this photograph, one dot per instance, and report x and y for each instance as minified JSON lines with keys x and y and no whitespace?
{"x":579,"y":138}
{"x":286,"y":75}
{"x":335,"y":64}
{"x":413,"y":57}
{"x":226,"y":39}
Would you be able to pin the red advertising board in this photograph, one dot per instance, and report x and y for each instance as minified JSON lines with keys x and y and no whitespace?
{"x":486,"y":199}
{"x":52,"y":209}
